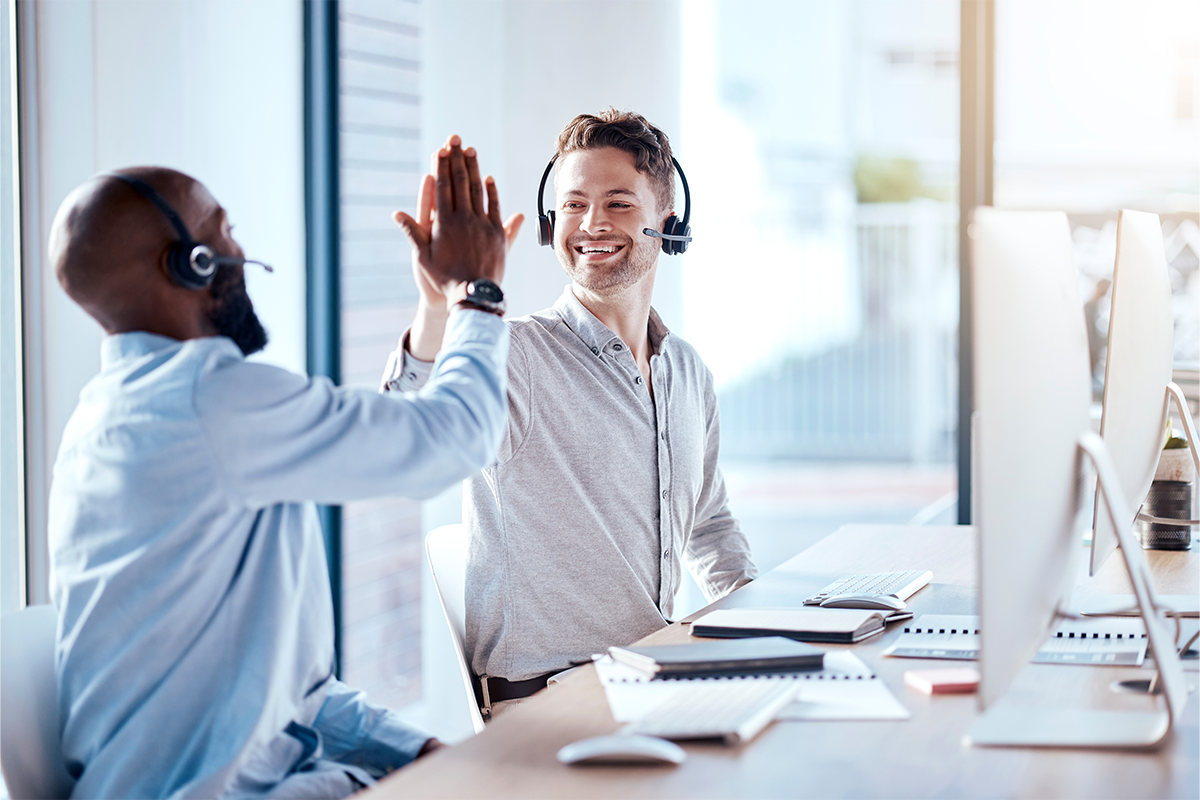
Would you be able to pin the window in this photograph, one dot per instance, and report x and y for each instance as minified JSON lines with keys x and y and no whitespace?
{"x":1095,"y":112}
{"x":822,"y":151}
{"x":380,"y":164}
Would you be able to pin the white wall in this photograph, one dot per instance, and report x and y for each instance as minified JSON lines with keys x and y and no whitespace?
{"x":11,"y":455}
{"x":210,"y":87}
{"x":507,"y":77}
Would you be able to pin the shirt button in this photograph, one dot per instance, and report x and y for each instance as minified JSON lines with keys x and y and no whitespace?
{"x":663,"y":435}
{"x":666,"y":553}
{"x":638,"y":380}
{"x":412,"y":376}
{"x":595,"y":351}
{"x":618,"y":347}
{"x":664,"y":494}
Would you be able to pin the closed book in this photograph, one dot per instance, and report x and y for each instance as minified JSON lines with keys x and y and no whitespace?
{"x":828,"y":625}
{"x":695,"y":659}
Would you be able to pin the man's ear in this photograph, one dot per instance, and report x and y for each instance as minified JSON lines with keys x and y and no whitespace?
{"x":162,"y":264}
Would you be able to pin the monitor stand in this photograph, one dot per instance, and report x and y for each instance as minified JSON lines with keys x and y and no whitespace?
{"x":1008,"y":726}
{"x":1103,"y":545}
{"x":1176,"y":394}
{"x":1152,"y":686}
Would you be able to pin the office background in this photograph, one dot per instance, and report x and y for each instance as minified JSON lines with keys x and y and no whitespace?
{"x":822,"y":145}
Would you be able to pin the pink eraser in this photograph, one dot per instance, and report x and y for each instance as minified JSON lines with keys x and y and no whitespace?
{"x":962,"y":680}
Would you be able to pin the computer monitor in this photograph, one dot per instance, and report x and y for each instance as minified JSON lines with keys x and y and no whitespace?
{"x":1032,"y":399}
{"x":1031,"y":434}
{"x":1141,"y":341}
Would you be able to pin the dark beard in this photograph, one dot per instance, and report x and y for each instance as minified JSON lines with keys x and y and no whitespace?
{"x":233,"y":315}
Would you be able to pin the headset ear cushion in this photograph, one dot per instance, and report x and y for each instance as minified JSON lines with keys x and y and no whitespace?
{"x":681,"y":230}
{"x":179,"y":264}
{"x":546,"y":229}
{"x":668,"y":228}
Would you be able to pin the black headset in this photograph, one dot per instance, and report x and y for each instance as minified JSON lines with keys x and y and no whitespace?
{"x":675,"y":235}
{"x":191,"y":264}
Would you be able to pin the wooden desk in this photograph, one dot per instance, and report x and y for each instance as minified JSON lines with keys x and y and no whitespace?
{"x":920,"y":757}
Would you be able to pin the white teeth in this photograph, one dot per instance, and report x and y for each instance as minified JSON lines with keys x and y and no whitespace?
{"x":609,"y":249}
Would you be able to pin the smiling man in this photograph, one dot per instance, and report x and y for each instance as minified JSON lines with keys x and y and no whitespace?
{"x":607,"y":479}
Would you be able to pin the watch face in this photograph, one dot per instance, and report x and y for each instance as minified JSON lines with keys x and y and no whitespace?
{"x":485,"y":290}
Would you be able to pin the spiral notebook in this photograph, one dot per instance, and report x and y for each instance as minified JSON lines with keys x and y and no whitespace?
{"x":845,"y":689}
{"x":1104,"y":641}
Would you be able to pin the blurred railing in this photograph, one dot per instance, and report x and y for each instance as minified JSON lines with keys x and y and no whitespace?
{"x":888,"y":393}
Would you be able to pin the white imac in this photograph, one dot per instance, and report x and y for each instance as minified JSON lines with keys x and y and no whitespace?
{"x":1137,"y":371}
{"x":1032,"y":433}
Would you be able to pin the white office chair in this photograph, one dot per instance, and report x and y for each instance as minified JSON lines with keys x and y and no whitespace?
{"x":30,"y":747}
{"x":447,"y":550}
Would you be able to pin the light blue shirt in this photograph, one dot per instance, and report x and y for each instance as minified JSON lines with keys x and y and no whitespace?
{"x":195,"y":640}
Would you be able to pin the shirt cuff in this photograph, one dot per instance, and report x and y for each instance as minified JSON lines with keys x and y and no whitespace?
{"x":367,"y":736}
{"x":404,"y":372}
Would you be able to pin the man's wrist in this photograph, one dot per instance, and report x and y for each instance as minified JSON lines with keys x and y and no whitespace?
{"x":468,"y":304}
{"x":430,"y":746}
{"x":481,"y":293}
{"x":433,"y":311}
{"x":456,"y":293}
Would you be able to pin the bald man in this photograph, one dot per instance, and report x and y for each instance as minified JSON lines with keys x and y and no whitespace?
{"x":195,"y":642}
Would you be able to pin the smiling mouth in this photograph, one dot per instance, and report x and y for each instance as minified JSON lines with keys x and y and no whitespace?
{"x":596,"y":248}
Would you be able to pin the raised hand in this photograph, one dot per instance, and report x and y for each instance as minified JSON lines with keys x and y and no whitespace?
{"x":437,"y":268}
{"x":457,"y":237}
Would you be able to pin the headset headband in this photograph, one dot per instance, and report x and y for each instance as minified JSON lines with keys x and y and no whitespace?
{"x":147,"y":191}
{"x":687,"y":193}
{"x":542,"y":185}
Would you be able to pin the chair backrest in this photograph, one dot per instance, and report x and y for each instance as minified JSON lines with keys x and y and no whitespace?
{"x":30,"y":744}
{"x":447,"y":550}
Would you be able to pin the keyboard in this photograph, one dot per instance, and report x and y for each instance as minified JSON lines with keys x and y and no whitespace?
{"x":901,"y":585}
{"x":734,"y":710}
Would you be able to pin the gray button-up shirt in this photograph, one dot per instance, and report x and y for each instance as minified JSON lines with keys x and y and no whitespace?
{"x":597,"y":496}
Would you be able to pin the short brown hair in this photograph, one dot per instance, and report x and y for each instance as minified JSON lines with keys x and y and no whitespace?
{"x":630,"y":132}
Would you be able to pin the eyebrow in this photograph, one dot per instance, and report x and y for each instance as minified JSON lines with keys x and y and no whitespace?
{"x":609,"y":193}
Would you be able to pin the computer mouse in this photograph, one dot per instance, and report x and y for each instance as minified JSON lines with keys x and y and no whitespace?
{"x":879,"y":602}
{"x":622,"y":748}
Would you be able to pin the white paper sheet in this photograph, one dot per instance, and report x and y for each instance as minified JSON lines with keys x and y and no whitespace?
{"x":868,"y":699}
{"x":1103,"y":641}
{"x":845,"y":689}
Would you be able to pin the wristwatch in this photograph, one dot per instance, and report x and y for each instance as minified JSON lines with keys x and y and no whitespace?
{"x":484,"y":295}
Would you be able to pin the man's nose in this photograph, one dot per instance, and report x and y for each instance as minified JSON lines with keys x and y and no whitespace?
{"x":595,"y":220}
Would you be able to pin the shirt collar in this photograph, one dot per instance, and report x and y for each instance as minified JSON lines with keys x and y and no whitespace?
{"x":135,"y":344}
{"x":594,"y":333}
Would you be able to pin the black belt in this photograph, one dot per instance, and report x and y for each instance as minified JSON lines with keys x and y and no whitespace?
{"x":500,"y":689}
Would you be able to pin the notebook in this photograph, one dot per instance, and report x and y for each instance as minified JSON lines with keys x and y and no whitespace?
{"x":830,"y":625}
{"x":844,"y":689}
{"x":744,"y":657}
{"x":1096,"y":641}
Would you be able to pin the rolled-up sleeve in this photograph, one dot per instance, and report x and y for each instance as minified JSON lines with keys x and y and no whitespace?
{"x":282,"y":437}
